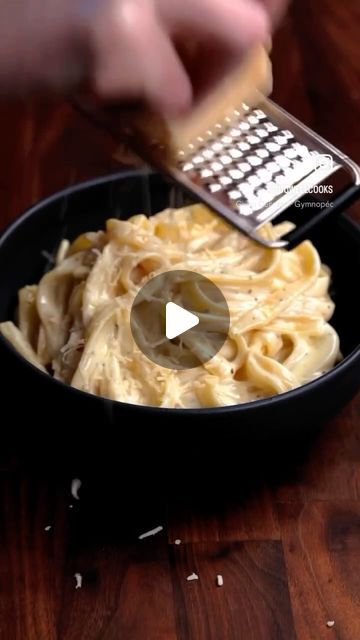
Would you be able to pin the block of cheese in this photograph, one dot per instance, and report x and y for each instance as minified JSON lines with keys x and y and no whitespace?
{"x":161,"y":141}
{"x":248,"y":84}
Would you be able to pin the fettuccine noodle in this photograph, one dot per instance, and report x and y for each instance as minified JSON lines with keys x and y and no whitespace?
{"x":75,"y":324}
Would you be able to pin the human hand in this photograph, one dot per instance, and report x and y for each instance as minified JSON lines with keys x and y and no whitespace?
{"x":127,"y":49}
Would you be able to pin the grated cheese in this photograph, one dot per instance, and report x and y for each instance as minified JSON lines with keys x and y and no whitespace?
{"x":192,"y":577}
{"x":78,"y":578}
{"x":152,"y":532}
{"x":75,"y":487}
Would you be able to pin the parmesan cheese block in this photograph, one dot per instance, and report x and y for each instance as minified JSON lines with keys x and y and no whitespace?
{"x":248,"y":85}
{"x":158,"y":139}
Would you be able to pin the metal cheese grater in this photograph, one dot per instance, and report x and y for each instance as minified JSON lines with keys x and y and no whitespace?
{"x":254,"y":166}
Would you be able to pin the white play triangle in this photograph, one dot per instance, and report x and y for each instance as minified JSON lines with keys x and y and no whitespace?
{"x":178,"y":320}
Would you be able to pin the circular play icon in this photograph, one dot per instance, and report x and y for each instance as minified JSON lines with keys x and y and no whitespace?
{"x":179,"y":319}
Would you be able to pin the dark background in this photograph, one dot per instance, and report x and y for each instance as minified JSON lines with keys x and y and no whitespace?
{"x":281,"y":523}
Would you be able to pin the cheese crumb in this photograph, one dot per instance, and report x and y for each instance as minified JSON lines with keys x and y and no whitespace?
{"x":78,"y":578}
{"x":75,"y":487}
{"x":192,"y":577}
{"x":219,"y":580}
{"x":48,"y":527}
{"x":330,"y":623}
{"x":177,"y":541}
{"x":152,"y":532}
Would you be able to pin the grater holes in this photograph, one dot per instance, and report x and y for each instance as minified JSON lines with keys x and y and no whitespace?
{"x":234,"y":194}
{"x":301,"y":149}
{"x":235,"y":133}
{"x":281,"y":140}
{"x":252,"y":140}
{"x":259,"y":114}
{"x":282,"y":161}
{"x":235,"y":153}
{"x":216,"y":167}
{"x":208,"y":154}
{"x":245,"y":210}
{"x":291,"y":153}
{"x":291,"y":175}
{"x":272,"y":167}
{"x":263,"y":194}
{"x":226,"y":140}
{"x":236,"y":174}
{"x":217,"y":146}
{"x":251,"y":161}
{"x":262,"y":133}
{"x":225,"y":160}
{"x":245,"y":167}
{"x":262,"y":153}
{"x":207,"y":173}
{"x":254,"y":161}
{"x":273,"y":147}
{"x":246,"y":189}
{"x":264,"y":175}
{"x":271,"y":127}
{"x":225,"y":181}
{"x":215,"y":187}
{"x":281,"y":180}
{"x":254,"y":181}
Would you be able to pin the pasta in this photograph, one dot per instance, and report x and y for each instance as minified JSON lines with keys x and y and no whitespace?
{"x":75,"y":324}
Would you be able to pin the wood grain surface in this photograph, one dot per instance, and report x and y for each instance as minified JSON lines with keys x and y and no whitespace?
{"x":280,"y":524}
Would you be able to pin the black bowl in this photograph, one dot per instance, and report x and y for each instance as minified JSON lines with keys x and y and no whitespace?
{"x":23,"y":250}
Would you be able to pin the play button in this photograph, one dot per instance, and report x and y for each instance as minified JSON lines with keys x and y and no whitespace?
{"x":180,"y":319}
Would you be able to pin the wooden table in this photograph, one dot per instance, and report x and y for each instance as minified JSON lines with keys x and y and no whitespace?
{"x":281,"y":525}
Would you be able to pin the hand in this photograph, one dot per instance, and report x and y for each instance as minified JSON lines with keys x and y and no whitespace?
{"x":126,"y":49}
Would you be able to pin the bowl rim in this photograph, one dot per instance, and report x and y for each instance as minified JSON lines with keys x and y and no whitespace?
{"x":268,"y":402}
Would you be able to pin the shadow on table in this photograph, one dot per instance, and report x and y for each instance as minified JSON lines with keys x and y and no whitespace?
{"x":132,"y":485}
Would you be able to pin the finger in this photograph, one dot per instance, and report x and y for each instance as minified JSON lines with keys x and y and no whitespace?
{"x":166,"y":82}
